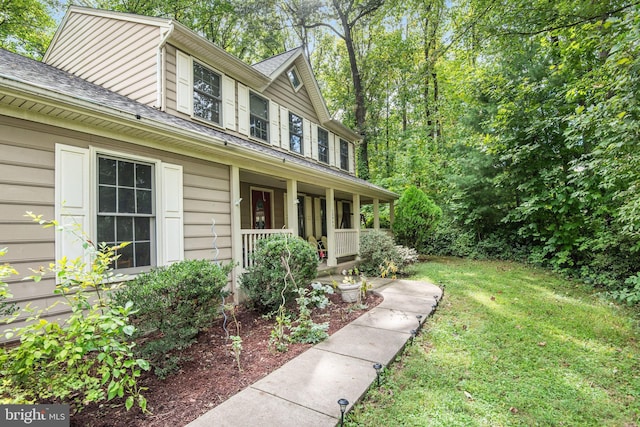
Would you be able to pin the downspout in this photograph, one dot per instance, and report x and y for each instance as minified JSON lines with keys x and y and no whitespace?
{"x":161,"y":69}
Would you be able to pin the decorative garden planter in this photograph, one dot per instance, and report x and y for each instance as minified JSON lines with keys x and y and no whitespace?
{"x":350,"y":291}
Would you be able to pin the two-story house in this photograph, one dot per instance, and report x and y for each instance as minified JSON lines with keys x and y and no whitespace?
{"x":140,"y":130}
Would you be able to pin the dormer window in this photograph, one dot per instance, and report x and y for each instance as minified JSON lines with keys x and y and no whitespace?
{"x":294,"y":78}
{"x":207,"y":98}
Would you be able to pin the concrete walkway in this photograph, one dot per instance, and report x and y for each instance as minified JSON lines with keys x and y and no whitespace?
{"x":305,"y":390}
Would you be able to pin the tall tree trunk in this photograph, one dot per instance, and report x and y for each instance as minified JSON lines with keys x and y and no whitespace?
{"x":360,"y":107}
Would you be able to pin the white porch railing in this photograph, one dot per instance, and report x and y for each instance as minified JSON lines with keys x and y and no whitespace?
{"x":383,"y":230}
{"x":250,"y":238}
{"x":346,"y":242}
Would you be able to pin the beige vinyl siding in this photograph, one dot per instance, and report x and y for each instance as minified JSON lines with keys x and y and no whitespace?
{"x":101,"y":51}
{"x":299,"y":102}
{"x":206,"y":198}
{"x":27,"y":184}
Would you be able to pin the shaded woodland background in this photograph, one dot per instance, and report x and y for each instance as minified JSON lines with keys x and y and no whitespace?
{"x":519,"y":118}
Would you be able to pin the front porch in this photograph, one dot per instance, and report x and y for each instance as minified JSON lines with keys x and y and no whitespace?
{"x":263,"y":205}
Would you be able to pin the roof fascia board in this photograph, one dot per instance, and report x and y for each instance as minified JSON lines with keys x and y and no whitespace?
{"x":184,"y":38}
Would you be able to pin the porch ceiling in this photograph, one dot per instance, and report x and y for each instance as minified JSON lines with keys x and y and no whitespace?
{"x":307,"y":188}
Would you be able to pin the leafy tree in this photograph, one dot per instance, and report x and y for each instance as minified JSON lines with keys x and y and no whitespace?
{"x":26,"y":26}
{"x":416,"y":216}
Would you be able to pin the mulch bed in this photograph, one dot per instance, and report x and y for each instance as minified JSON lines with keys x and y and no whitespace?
{"x":211,"y":376}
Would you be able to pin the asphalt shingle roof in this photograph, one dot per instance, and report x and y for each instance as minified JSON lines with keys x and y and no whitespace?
{"x":270,"y":65}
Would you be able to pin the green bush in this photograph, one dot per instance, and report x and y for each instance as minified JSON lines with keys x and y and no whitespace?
{"x":378,"y":249}
{"x":86,"y":358}
{"x":173,"y":305}
{"x":268,"y":281}
{"x":416,"y":217}
{"x":6,"y":307}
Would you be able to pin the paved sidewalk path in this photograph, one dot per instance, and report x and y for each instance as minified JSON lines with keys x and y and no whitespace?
{"x":305,"y":390}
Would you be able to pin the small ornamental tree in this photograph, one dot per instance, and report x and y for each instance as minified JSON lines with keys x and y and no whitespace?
{"x":416,"y":216}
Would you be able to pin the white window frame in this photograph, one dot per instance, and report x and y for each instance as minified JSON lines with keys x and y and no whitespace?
{"x":185,"y":90}
{"x":301,"y":135}
{"x":267,"y":120}
{"x":219,"y":99}
{"x":76,"y":202}
{"x":327,"y":149}
{"x":291,"y":73}
{"x":95,"y":213}
{"x":344,"y":166}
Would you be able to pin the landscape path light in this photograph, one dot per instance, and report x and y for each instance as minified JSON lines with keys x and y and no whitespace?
{"x":377,"y":367}
{"x":343,"y":407}
{"x":419,"y":317}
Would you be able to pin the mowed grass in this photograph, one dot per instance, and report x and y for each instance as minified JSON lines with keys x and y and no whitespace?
{"x":511,"y":345}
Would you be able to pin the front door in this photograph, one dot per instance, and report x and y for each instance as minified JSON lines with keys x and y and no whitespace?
{"x":261,"y":209}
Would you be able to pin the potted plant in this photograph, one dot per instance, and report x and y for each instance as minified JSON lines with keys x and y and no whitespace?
{"x":352,"y":286}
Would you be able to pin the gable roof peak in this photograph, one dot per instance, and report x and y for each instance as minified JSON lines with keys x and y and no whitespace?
{"x":273,"y":66}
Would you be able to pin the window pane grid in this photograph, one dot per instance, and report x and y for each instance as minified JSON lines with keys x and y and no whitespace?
{"x":295,"y":133}
{"x":323,"y":146}
{"x":259,"y":117}
{"x":125,"y":210}
{"x":207,"y":98}
{"x":344,"y":154}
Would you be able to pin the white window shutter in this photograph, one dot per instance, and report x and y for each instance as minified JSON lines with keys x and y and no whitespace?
{"x":352,"y":157}
{"x":274,"y":123}
{"x":284,"y":128}
{"x":243,"y":109}
{"x":171,"y":236}
{"x":332,"y":149}
{"x":306,"y":137}
{"x":229,"y":101}
{"x":72,"y":200}
{"x":314,"y":141}
{"x":184,"y":85}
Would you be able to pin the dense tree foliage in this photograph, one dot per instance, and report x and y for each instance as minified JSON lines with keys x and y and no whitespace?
{"x":26,"y":26}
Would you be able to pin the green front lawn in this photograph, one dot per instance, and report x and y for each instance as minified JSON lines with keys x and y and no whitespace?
{"x":512,"y":345}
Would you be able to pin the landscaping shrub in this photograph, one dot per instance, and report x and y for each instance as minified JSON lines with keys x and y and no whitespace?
{"x":173,"y":304}
{"x":267,"y":281}
{"x":6,"y":307}
{"x":88,"y":357}
{"x":416,"y":217}
{"x":377,"y":249}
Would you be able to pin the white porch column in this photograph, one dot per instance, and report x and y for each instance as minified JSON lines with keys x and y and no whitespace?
{"x":292,"y":205}
{"x":236,"y":232}
{"x":356,"y":219}
{"x":332,"y":261}
{"x":376,"y":214}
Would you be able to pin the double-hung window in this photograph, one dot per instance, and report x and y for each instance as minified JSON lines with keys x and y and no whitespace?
{"x":126,"y":210}
{"x":295,"y":133}
{"x":114,"y":198}
{"x":344,"y":154}
{"x":207,"y":98}
{"x":323,"y":145}
{"x":259,"y":117}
